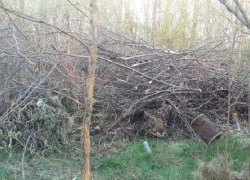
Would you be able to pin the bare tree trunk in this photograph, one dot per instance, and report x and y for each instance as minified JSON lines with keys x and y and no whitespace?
{"x":194,"y":21}
{"x":154,"y":28}
{"x":128,"y":19}
{"x":248,"y":103}
{"x":237,"y":11}
{"x":89,"y":94}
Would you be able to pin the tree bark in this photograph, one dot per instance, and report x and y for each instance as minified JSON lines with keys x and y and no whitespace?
{"x":128,"y":18}
{"x":248,"y":104}
{"x":237,"y":11}
{"x":89,"y":94}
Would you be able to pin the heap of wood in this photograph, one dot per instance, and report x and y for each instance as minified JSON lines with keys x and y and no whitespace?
{"x":140,"y":88}
{"x":158,"y":91}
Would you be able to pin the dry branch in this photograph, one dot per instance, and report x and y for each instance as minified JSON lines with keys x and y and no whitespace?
{"x":133,"y":78}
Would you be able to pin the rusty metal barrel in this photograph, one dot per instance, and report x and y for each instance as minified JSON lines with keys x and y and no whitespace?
{"x":206,"y":129}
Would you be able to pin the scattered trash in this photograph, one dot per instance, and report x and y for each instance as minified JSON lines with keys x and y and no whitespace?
{"x":206,"y":129}
{"x":147,"y":148}
{"x":40,"y":102}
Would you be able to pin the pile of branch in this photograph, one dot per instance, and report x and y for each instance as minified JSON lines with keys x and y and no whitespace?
{"x":140,"y":88}
{"x":158,"y":91}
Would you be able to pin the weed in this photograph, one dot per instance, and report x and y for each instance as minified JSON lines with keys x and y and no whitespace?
{"x":175,"y":160}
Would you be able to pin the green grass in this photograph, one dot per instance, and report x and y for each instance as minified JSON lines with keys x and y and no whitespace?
{"x":175,"y":160}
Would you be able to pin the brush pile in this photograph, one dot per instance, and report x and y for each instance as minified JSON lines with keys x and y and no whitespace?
{"x":140,"y":88}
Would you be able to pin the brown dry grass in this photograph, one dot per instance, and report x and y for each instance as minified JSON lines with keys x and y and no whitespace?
{"x":215,"y":170}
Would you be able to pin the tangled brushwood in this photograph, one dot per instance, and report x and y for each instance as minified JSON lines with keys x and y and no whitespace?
{"x":141,"y":89}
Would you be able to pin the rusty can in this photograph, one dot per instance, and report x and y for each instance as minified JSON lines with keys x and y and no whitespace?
{"x":206,"y":129}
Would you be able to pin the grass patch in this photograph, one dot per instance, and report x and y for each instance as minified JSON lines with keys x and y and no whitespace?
{"x":175,"y":160}
{"x":169,"y":160}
